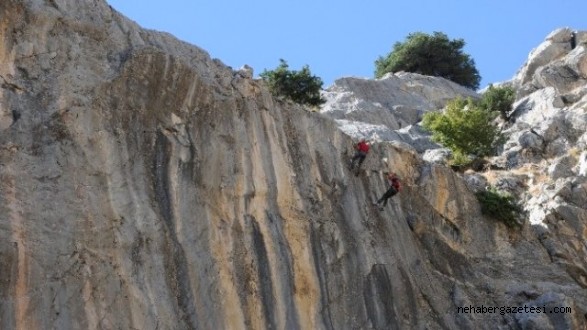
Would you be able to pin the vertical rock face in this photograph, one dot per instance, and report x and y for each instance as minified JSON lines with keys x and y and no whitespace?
{"x":145,"y":185}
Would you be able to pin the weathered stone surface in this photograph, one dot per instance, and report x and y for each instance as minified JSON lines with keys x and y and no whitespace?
{"x":394,"y":102}
{"x":562,"y":167}
{"x":577,"y":61}
{"x":476,"y":182}
{"x":582,"y":164}
{"x":561,"y":35}
{"x":438,"y":156}
{"x":146,"y":186}
{"x":556,"y":45}
{"x":562,"y":76}
{"x":544,"y":125}
{"x":581,"y":37}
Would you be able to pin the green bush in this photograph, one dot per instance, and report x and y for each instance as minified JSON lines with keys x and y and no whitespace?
{"x":465,"y":128}
{"x":432,"y":55}
{"x":501,"y":206}
{"x":460,"y":160}
{"x":498,"y":99}
{"x":299,"y":86}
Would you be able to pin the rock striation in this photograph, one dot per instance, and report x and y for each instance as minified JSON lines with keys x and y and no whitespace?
{"x":145,"y":185}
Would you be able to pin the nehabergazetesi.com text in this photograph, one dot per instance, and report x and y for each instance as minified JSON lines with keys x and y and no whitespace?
{"x":513,"y":310}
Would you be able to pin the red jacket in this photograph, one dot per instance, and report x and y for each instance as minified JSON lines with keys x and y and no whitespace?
{"x":363,"y":146}
{"x":394,"y":182}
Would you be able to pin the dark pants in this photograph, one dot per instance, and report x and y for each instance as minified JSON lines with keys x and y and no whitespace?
{"x":388,"y":194}
{"x":358,"y":156}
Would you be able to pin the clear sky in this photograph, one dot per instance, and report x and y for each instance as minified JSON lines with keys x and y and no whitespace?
{"x":343,"y":38}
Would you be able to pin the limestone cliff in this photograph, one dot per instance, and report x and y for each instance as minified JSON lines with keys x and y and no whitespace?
{"x":144,"y":185}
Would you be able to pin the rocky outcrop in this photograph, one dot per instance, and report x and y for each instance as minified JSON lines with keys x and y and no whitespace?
{"x":547,"y":133}
{"x":145,"y":185}
{"x":388,"y":109}
{"x":559,"y":61}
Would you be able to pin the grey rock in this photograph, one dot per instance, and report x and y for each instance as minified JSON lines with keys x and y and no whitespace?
{"x":563,"y":77}
{"x":246,"y":71}
{"x":476,"y":182}
{"x":437,"y":156}
{"x":582,"y":164}
{"x":576,"y":61}
{"x":534,"y":108}
{"x":514,"y":184}
{"x":556,"y":45}
{"x":146,"y":185}
{"x":562,"y":167}
{"x":581,"y":37}
{"x":530,"y":140}
{"x":561,"y":35}
{"x":544,"y":316}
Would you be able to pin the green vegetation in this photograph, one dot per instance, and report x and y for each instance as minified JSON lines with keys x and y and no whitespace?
{"x":432,"y":55}
{"x":299,"y":86}
{"x":460,"y":160}
{"x":500,"y":205}
{"x":465,"y":128}
{"x":498,"y":99}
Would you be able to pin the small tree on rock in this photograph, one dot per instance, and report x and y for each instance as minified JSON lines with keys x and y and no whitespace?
{"x":499,"y":99}
{"x":432,"y":55}
{"x":501,"y":206}
{"x":465,"y":128}
{"x":300,"y":86}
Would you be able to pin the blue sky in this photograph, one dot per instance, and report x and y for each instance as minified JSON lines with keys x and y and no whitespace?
{"x":343,"y":38}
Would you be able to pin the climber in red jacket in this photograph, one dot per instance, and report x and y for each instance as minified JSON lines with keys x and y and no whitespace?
{"x":362,"y":150}
{"x":394,"y":188}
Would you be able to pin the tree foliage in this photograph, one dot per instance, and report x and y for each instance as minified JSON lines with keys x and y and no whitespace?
{"x":499,"y":99}
{"x":299,"y":86}
{"x":500,"y":205}
{"x":464,"y":127}
{"x":432,"y":55}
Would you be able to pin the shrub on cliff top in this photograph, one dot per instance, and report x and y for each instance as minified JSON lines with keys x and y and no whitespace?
{"x":432,"y":55}
{"x":299,"y":86}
